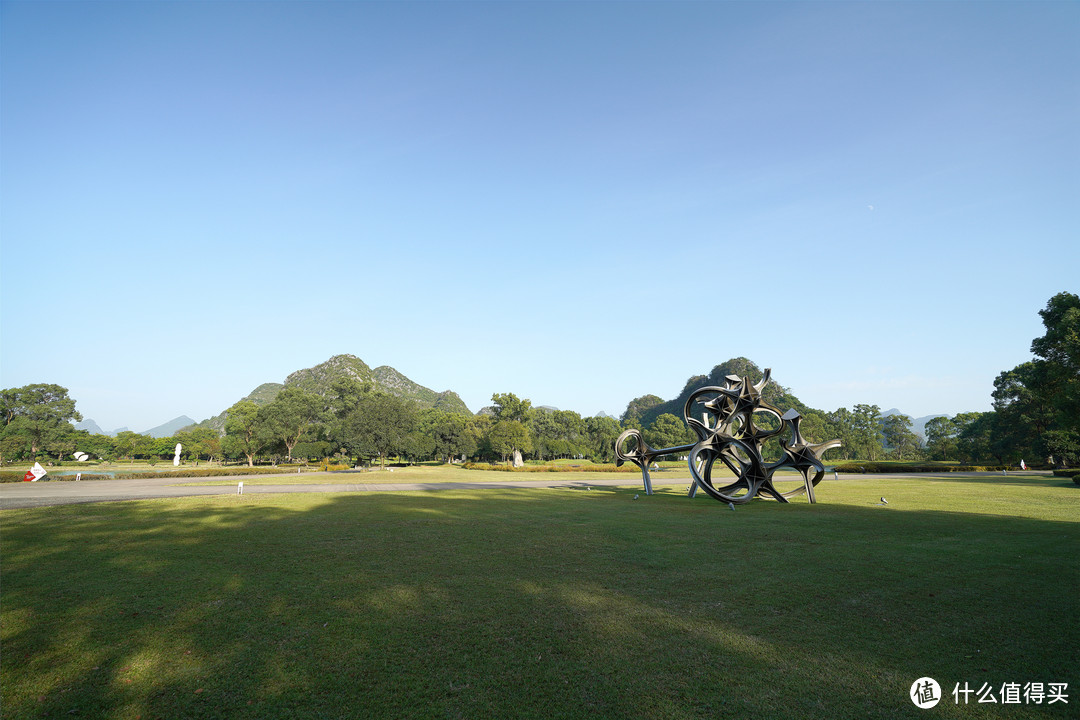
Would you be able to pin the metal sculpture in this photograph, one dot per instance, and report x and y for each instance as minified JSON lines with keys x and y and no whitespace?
{"x":728,"y":432}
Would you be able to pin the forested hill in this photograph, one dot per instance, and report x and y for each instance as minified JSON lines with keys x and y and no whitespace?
{"x":321,"y":378}
{"x":649,"y":407}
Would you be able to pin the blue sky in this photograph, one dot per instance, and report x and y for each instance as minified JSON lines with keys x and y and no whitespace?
{"x":577,"y":202}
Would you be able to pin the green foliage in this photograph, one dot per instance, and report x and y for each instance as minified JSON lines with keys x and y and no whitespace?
{"x":546,"y":468}
{"x":668,"y":431}
{"x":631,"y":417}
{"x":1038,"y":402}
{"x":896,"y":431}
{"x":246,"y":432}
{"x":377,"y":426}
{"x":914,"y":467}
{"x":293,"y":415}
{"x":506,"y":436}
{"x":509,"y":407}
{"x":36,"y":418}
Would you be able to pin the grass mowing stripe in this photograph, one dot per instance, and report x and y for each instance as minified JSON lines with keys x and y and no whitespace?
{"x":541,"y":603}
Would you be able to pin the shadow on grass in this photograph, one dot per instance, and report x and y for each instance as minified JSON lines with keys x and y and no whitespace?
{"x":532,"y":603}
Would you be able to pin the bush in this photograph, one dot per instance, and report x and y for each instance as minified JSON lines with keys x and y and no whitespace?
{"x":877,"y":467}
{"x":585,"y":467}
{"x":1076,"y":478}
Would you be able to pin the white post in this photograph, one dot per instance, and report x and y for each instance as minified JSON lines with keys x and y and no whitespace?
{"x":240,"y":488}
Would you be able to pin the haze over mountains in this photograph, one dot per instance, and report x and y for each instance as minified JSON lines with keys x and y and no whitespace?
{"x":320,"y":379}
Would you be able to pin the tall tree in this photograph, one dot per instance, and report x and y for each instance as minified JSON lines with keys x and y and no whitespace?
{"x":452,"y":433}
{"x":245,"y":431}
{"x":602,"y":433}
{"x":509,"y":438}
{"x":867,"y":436}
{"x":941,"y":434}
{"x":42,"y":413}
{"x":378,"y":426}
{"x":509,"y":407}
{"x":667,"y":431}
{"x":290,"y":415}
{"x":897,"y":433}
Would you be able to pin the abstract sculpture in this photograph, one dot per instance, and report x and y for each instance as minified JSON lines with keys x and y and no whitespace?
{"x":729,"y":433}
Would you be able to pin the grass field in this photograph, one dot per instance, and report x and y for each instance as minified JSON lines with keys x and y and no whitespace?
{"x":544,"y":603}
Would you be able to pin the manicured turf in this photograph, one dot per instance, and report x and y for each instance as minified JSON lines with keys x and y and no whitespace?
{"x":543,"y":603}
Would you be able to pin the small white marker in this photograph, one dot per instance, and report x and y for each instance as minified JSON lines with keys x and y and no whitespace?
{"x":240,"y":488}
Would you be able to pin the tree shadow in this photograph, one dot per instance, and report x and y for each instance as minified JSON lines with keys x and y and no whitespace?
{"x":505,"y":603}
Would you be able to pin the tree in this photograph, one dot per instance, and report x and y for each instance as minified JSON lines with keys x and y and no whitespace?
{"x":631,"y":417}
{"x":245,"y":431}
{"x":378,"y":426}
{"x":509,"y":437}
{"x":941,"y":435}
{"x":601,"y":433}
{"x":545,"y":433}
{"x":975,"y":436}
{"x":41,"y":413}
{"x":896,"y":430}
{"x":290,"y":415}
{"x":200,"y":441}
{"x":128,"y":444}
{"x":509,"y":407}
{"x":867,"y":435}
{"x":668,"y":431}
{"x":1037,"y":403}
{"x":842,"y":426}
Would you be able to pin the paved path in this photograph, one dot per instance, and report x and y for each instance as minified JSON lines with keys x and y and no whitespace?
{"x":38,"y":494}
{"x":24,"y":494}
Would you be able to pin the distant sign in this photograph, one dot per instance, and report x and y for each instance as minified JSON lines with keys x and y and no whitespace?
{"x":34,"y":474}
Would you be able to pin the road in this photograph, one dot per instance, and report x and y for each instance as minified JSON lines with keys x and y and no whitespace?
{"x":40,"y":494}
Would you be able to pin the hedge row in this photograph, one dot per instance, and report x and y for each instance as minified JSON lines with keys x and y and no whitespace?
{"x":870,"y":467}
{"x":609,"y":468}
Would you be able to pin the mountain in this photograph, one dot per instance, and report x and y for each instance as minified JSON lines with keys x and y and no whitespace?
{"x":90,"y":426}
{"x":169,"y":428}
{"x":321,"y":378}
{"x":918,"y":425}
{"x":260,"y":396}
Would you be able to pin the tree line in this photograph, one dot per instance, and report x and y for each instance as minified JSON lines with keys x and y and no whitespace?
{"x":1036,"y":415}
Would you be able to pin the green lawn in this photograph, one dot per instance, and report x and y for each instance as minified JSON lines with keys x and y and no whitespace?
{"x":543,"y":603}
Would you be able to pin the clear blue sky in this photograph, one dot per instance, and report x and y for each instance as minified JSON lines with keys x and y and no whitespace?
{"x":577,"y":202}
